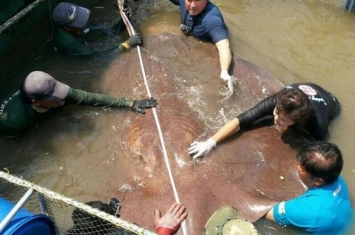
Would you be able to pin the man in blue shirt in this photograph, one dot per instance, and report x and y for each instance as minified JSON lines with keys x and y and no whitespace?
{"x":325,"y":208}
{"x":204,"y":21}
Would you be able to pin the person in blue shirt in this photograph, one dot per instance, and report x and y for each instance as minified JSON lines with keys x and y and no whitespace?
{"x":325,"y":208}
{"x":203,"y":20}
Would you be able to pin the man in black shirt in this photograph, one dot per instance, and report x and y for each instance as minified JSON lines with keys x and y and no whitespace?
{"x":305,"y":105}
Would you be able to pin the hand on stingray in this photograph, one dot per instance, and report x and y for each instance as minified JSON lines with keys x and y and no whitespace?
{"x":229,"y":80}
{"x":171,"y":221}
{"x":201,"y":148}
{"x":139,"y":106}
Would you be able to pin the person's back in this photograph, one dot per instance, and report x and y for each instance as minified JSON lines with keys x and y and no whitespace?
{"x":336,"y":207}
{"x":16,"y":115}
{"x":325,"y":107}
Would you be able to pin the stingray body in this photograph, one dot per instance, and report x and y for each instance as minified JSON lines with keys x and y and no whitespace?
{"x":251,"y":171}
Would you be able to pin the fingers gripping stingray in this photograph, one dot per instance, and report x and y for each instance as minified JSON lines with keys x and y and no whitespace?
{"x":244,"y":172}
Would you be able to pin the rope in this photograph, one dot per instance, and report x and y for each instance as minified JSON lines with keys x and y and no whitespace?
{"x":53,"y":195}
{"x":131,"y":32}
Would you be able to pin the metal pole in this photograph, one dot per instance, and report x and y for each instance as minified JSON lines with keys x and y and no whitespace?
{"x":14,"y":210}
{"x":42,"y":203}
{"x":19,"y":15}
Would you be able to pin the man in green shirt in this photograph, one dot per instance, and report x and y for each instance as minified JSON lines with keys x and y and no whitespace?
{"x":41,"y":94}
{"x":70,"y":35}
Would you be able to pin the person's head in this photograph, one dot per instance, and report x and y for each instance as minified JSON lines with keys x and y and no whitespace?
{"x":70,"y":16}
{"x":320,"y":163}
{"x":43,"y":91}
{"x":195,"y":7}
{"x":291,"y":106}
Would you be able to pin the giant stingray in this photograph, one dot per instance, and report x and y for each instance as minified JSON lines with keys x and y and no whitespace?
{"x":252,"y":171}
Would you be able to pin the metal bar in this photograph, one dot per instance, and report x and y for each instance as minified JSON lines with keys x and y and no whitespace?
{"x":19,"y":15}
{"x":130,"y":28}
{"x":14,"y":210}
{"x":42,"y":203}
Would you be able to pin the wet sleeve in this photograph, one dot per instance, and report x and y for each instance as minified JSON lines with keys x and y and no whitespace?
{"x":81,"y":97}
{"x":176,"y":2}
{"x":300,"y":212}
{"x":259,"y":111}
{"x":117,"y":48}
{"x":79,"y":48}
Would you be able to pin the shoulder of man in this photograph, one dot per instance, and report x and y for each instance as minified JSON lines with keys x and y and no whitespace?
{"x":212,"y":11}
{"x":299,"y":210}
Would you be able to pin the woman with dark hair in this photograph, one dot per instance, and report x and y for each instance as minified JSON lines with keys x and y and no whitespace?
{"x":305,"y":105}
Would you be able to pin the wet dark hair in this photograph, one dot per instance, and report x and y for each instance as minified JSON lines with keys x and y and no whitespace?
{"x":294,"y":103}
{"x":321,"y":159}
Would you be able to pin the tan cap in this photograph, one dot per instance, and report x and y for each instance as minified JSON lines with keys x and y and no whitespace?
{"x":228,"y":221}
{"x":41,"y":85}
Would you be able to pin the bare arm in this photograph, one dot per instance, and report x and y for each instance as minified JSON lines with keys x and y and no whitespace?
{"x":227,"y":130}
{"x":270,"y":215}
{"x":265,"y":107}
{"x":225,"y":55}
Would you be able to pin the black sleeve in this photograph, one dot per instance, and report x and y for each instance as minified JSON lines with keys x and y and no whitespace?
{"x":259,"y":111}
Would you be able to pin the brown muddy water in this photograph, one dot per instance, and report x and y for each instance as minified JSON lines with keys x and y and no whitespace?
{"x":297,"y":41}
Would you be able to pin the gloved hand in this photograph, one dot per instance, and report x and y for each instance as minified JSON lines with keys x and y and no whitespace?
{"x":228,"y":80}
{"x":139,"y":106}
{"x":171,"y":221}
{"x":133,"y":41}
{"x":126,"y":10}
{"x":201,"y":148}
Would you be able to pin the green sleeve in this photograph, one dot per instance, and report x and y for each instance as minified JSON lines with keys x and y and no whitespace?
{"x":80,"y":97}
{"x":71,"y":44}
{"x":79,"y":48}
{"x":120,"y":49}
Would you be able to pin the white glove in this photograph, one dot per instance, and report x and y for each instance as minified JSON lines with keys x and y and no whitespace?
{"x":228,"y":80}
{"x":201,"y":148}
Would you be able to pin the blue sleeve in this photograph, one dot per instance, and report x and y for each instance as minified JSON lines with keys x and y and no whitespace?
{"x":176,"y":2}
{"x":217,"y":29}
{"x":300,"y":212}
